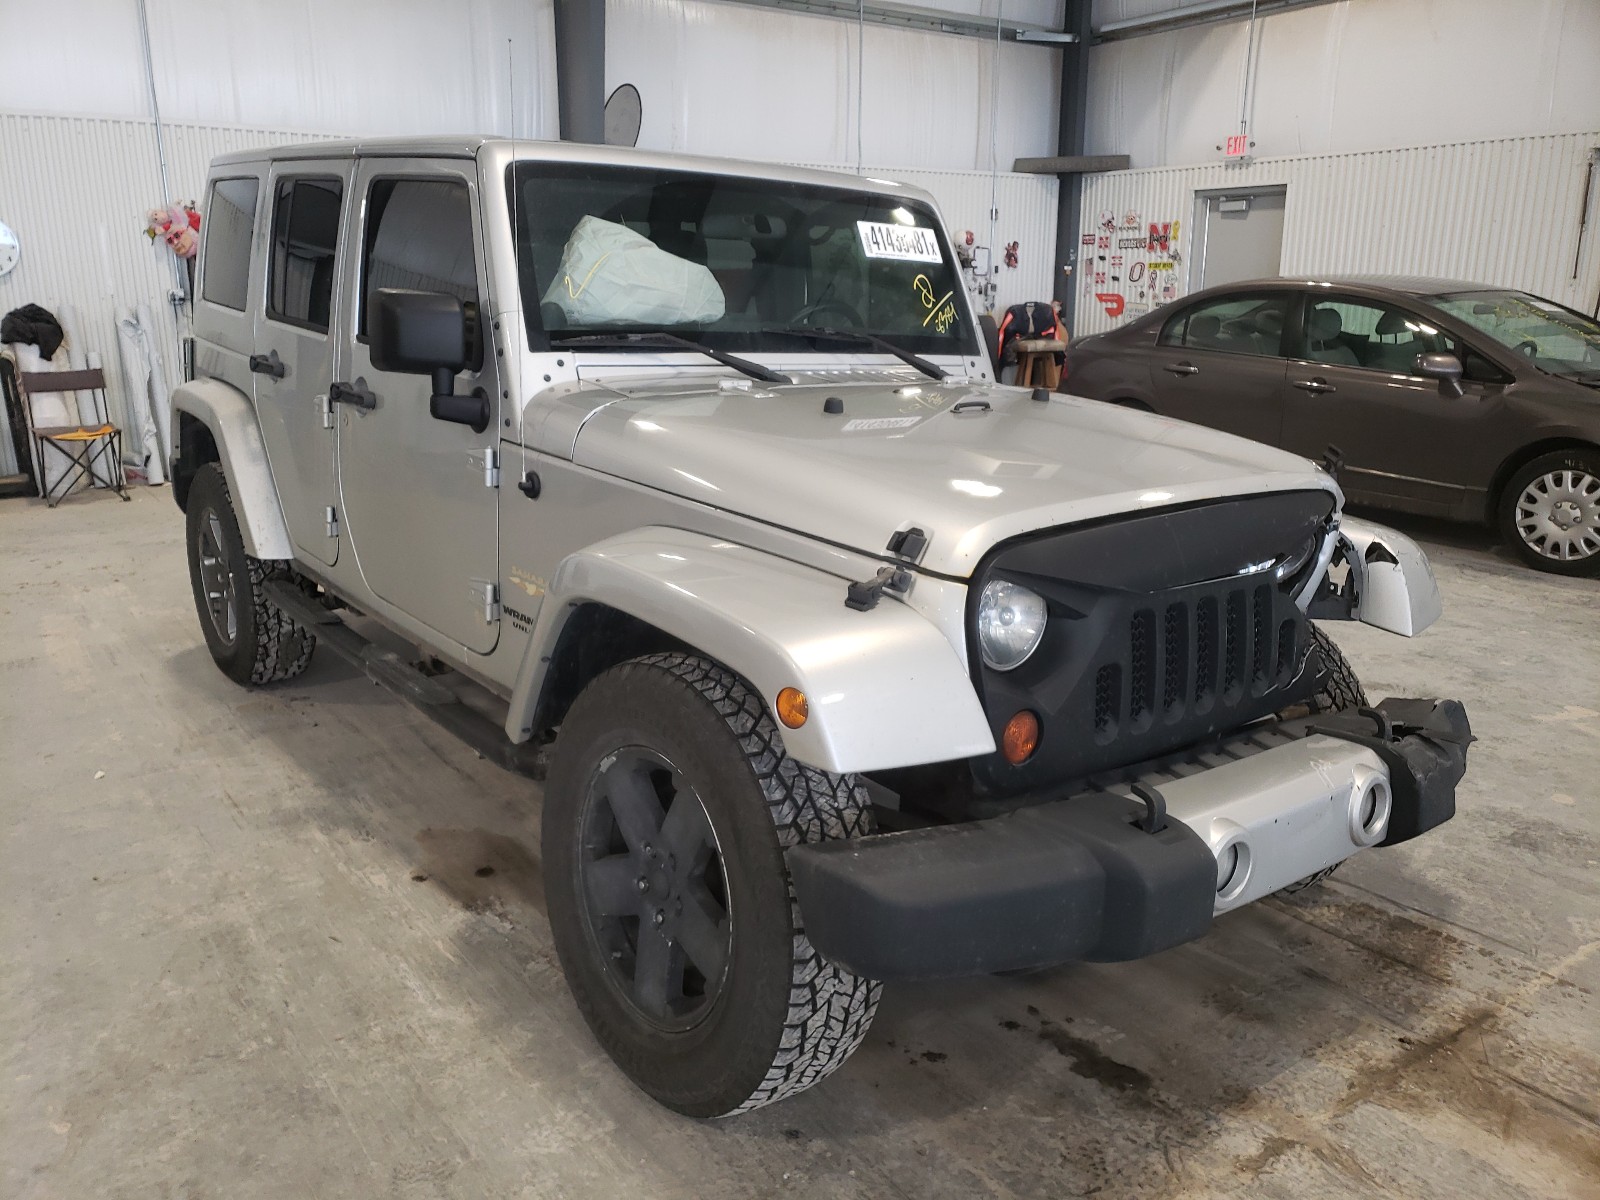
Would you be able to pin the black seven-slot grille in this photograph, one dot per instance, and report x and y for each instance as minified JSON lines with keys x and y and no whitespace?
{"x":1188,"y":655}
{"x":1165,"y":628}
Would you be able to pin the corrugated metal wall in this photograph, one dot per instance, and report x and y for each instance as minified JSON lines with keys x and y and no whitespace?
{"x":1505,"y":211}
{"x":76,"y":191}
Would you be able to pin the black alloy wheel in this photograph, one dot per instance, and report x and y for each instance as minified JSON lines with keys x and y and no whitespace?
{"x":655,"y":898}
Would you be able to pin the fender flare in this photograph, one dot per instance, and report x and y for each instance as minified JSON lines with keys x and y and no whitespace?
{"x":1391,"y":584}
{"x":885,"y":687}
{"x":231,"y":418}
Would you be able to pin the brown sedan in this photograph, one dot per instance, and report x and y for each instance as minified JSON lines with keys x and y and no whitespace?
{"x":1443,"y":398}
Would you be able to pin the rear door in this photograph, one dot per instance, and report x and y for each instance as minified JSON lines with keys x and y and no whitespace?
{"x":1219,"y":362}
{"x":1406,"y":442}
{"x":296,"y":354}
{"x":420,"y":496}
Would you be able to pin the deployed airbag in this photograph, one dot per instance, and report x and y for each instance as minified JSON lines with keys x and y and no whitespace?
{"x":610,"y":275}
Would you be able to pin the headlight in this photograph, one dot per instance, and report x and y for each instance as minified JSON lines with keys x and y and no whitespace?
{"x":1292,"y":563}
{"x":1010,"y":623}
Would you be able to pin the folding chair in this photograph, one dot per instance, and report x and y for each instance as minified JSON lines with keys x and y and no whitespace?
{"x":91,"y":451}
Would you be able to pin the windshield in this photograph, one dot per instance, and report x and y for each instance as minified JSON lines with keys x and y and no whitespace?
{"x":730,"y":261}
{"x":1561,"y":341}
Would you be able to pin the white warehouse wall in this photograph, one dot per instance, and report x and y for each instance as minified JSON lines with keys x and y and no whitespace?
{"x":339,"y":66}
{"x":720,"y":78}
{"x":1347,"y":76}
{"x":1506,"y":211}
{"x":78,"y":163}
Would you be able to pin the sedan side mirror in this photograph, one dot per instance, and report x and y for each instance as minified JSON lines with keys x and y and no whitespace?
{"x":1446,"y":368}
{"x":425,"y":333}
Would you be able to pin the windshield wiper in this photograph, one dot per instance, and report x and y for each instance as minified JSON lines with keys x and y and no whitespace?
{"x":662,"y":338}
{"x":867,"y":339}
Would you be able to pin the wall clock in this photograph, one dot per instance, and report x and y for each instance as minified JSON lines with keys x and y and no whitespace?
{"x":10,"y":251}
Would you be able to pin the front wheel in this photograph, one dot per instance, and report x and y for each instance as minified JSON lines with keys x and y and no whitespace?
{"x":669,"y":804}
{"x":1550,"y":513}
{"x":1340,"y":690}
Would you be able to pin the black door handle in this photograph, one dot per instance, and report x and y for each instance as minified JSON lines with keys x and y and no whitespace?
{"x":1182,"y":368}
{"x":268,"y":364}
{"x":352,"y":393}
{"x":1315,"y":385}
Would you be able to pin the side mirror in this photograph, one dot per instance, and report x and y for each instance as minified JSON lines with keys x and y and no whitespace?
{"x":425,"y":333}
{"x":1446,"y":368}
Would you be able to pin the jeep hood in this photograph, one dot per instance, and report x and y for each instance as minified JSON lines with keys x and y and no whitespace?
{"x":969,"y":464}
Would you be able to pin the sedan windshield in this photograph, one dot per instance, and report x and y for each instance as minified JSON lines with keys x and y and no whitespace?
{"x":1554,"y":337}
{"x":730,"y":261}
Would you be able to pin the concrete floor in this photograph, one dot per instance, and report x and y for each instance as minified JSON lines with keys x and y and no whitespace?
{"x":223,"y":977}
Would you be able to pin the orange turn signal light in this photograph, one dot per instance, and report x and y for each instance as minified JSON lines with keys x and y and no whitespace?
{"x":1021,"y":737}
{"x":793,"y":708}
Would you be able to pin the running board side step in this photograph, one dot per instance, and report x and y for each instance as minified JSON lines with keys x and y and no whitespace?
{"x":424,"y":693}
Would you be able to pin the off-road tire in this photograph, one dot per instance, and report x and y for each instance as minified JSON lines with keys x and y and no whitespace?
{"x":783,"y":1018}
{"x":1340,"y":689}
{"x":1580,"y":463}
{"x":267,"y":646}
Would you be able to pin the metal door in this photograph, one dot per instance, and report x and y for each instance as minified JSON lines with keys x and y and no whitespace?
{"x":420,"y":496}
{"x":1240,"y":236}
{"x":296,"y":353}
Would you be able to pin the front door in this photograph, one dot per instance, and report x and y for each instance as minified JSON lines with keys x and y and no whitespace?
{"x":1406,"y":442}
{"x":420,"y":496}
{"x":1218,"y":363}
{"x":296,"y":355}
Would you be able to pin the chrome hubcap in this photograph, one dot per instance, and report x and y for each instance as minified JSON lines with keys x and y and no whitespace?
{"x":216,"y":580}
{"x":1558,"y":515}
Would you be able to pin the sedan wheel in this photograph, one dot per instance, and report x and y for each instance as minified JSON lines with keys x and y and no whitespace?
{"x":1551,"y":513}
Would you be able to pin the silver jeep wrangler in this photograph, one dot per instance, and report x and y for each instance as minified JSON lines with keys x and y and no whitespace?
{"x":847,"y":662}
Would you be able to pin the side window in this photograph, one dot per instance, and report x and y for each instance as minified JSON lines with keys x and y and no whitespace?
{"x":1368,"y":333}
{"x":305,"y":233}
{"x":1233,"y":324}
{"x":230,"y":219}
{"x":419,"y":236}
{"x":1474,"y":366}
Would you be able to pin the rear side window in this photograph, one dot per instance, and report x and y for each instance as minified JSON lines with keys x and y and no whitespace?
{"x":1235,"y":324}
{"x":419,"y":237}
{"x":305,"y":233}
{"x":230,"y":220}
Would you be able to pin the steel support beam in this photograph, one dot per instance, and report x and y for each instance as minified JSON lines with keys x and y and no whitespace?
{"x":1203,"y":12}
{"x":581,"y":70}
{"x":1071,"y":127}
{"x":910,"y":16}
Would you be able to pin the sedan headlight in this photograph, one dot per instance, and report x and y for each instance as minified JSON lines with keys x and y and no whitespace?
{"x":1010,"y":623}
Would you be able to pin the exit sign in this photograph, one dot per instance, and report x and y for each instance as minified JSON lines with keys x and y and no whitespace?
{"x":1238,"y":146}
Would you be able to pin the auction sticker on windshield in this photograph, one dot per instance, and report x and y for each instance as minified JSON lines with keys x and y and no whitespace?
{"x":912,"y":243}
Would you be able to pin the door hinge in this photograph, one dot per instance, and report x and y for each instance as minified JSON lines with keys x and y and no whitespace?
{"x":325,"y":410}
{"x":489,"y":593}
{"x":331,"y":515}
{"x":488,"y":460}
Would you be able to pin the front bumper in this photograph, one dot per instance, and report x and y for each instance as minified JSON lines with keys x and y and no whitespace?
{"x":1080,"y":879}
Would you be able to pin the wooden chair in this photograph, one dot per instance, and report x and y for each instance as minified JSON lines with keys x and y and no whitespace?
{"x":91,"y":451}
